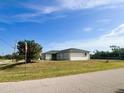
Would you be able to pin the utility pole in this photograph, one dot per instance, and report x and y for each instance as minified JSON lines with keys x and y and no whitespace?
{"x":14,"y":52}
{"x":26,"y":48}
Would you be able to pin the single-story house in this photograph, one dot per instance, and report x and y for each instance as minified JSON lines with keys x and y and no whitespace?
{"x":67,"y":54}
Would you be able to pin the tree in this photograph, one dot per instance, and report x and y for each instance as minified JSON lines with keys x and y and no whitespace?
{"x":116,"y":53}
{"x":33,"y":50}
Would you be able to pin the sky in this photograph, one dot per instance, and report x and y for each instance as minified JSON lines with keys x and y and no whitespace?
{"x":60,"y":24}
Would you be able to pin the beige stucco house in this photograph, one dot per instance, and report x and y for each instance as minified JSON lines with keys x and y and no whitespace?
{"x":67,"y":54}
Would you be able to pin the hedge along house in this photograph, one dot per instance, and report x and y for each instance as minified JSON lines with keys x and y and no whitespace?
{"x":67,"y":54}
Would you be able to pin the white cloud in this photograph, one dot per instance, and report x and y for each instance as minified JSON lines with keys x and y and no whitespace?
{"x":88,"y":29}
{"x":37,"y":10}
{"x":115,"y":37}
{"x":68,"y":4}
{"x":82,"y":4}
{"x":37,"y":13}
{"x":48,"y":10}
{"x":117,"y":32}
{"x":42,"y":9}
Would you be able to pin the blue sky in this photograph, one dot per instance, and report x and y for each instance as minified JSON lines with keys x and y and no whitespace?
{"x":60,"y":24}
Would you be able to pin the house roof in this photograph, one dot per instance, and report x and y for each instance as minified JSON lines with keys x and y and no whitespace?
{"x":52,"y":52}
{"x":74,"y":50}
{"x":70,"y":50}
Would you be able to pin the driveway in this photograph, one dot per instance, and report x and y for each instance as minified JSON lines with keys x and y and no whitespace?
{"x":111,"y":81}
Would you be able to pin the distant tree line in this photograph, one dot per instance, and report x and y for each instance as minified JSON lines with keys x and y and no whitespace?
{"x":8,"y":56}
{"x":116,"y":53}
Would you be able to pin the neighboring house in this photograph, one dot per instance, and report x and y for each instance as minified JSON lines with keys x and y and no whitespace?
{"x":67,"y":54}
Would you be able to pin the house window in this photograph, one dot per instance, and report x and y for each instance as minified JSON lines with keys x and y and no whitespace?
{"x":85,"y":54}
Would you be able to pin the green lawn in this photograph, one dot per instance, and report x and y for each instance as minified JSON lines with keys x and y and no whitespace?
{"x":39,"y":70}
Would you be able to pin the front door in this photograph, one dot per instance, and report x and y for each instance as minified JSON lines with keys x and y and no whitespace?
{"x":54,"y":56}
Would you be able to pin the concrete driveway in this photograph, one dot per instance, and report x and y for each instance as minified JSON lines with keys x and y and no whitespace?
{"x":111,"y":81}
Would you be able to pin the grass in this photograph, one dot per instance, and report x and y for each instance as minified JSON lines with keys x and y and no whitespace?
{"x":39,"y":70}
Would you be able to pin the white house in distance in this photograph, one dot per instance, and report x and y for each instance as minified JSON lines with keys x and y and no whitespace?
{"x":67,"y":54}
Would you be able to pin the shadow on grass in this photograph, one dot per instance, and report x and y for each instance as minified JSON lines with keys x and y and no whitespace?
{"x":120,"y":91}
{"x":11,"y":65}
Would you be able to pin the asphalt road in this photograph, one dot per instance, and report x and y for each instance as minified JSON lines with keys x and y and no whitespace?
{"x":111,"y":81}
